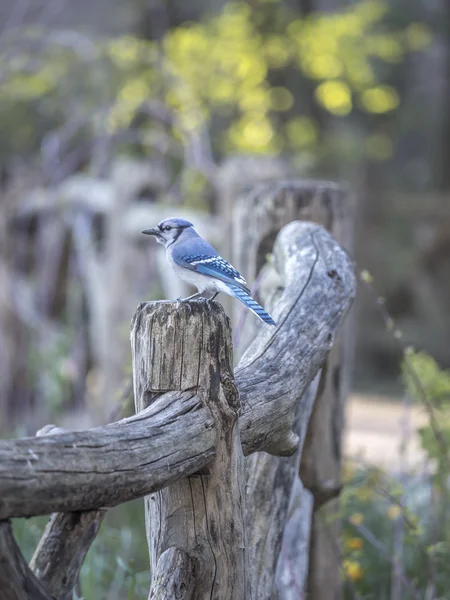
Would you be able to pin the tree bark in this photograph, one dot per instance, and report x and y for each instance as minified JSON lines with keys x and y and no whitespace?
{"x":181,"y":347}
{"x":270,"y":486}
{"x":259,"y":216}
{"x":173,"y":578}
{"x":17,"y":582}
{"x":293,"y":563}
{"x":58,"y":558}
{"x":174,"y":437}
{"x":60,"y":554}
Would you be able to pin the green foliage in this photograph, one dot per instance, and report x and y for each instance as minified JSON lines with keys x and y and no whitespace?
{"x":391,"y":525}
{"x":423,"y":376}
{"x":237,"y":72}
{"x":377,"y":510}
{"x":425,"y":381}
{"x":227,"y":65}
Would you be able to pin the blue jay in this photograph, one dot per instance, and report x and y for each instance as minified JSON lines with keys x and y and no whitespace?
{"x":198,"y":263}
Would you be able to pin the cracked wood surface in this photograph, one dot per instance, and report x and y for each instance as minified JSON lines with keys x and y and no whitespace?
{"x":259,"y":216}
{"x":173,"y":577}
{"x":270,"y":485}
{"x":61,"y":551}
{"x":60,"y":554}
{"x":17,"y":581}
{"x":189,"y":347}
{"x":175,"y":436}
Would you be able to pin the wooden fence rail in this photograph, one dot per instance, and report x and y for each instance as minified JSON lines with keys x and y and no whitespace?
{"x":185,"y":439}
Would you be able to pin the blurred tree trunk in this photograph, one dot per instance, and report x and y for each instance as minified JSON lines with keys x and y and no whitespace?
{"x":444,"y":163}
{"x":14,"y":395}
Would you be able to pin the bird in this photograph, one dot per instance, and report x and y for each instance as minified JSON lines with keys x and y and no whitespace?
{"x":198,"y":263}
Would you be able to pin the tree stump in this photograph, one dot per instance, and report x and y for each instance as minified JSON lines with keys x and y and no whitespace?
{"x":180,"y":347}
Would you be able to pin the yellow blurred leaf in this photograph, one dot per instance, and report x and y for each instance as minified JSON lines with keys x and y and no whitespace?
{"x":281,"y":99}
{"x":335,"y":96}
{"x":418,"y":36}
{"x":380,"y":99}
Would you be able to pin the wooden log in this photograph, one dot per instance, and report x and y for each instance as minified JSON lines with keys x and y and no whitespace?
{"x":173,"y":578}
{"x":58,"y":558}
{"x":17,"y":582}
{"x":174,"y":437}
{"x":60,"y":554}
{"x":271,"y":479}
{"x":188,"y":346}
{"x":258,"y":218}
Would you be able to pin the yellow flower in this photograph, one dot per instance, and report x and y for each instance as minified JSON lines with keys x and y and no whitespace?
{"x":394,"y":512}
{"x":352,"y":570}
{"x":355,"y":543}
{"x":356,"y":519}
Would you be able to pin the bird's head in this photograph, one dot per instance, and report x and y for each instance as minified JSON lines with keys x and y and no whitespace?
{"x":168,"y":231}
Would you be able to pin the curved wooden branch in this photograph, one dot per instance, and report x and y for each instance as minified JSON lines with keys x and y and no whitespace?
{"x":174,"y":437}
{"x":58,"y":558}
{"x":17,"y":582}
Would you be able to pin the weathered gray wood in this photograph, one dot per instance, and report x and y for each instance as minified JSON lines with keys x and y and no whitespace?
{"x":293,"y":562}
{"x":320,"y":473}
{"x":173,"y":578}
{"x":189,"y":347}
{"x":259,"y":215}
{"x":174,"y":437}
{"x":17,"y":582}
{"x":58,"y":558}
{"x":270,"y":484}
{"x":61,"y":551}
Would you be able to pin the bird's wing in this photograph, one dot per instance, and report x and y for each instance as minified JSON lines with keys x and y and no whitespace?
{"x":213,"y":266}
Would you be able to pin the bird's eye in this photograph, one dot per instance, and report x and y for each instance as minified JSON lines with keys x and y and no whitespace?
{"x":167,"y":228}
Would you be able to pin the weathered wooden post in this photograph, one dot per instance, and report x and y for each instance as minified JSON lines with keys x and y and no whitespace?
{"x":259,"y":216}
{"x":195,"y":527}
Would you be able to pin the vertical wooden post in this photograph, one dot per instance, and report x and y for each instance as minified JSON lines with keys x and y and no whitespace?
{"x":182,"y":347}
{"x":270,"y":485}
{"x":259,"y":216}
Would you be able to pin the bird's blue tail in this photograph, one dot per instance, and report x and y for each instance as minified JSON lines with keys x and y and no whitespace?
{"x":246,"y":299}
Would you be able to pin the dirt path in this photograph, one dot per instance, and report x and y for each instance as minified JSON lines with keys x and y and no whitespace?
{"x":375,"y":427}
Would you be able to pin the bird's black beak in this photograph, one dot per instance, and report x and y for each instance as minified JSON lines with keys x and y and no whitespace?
{"x":154,"y":231}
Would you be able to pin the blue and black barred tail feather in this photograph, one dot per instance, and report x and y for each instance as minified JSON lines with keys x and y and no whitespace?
{"x":246,"y":299}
